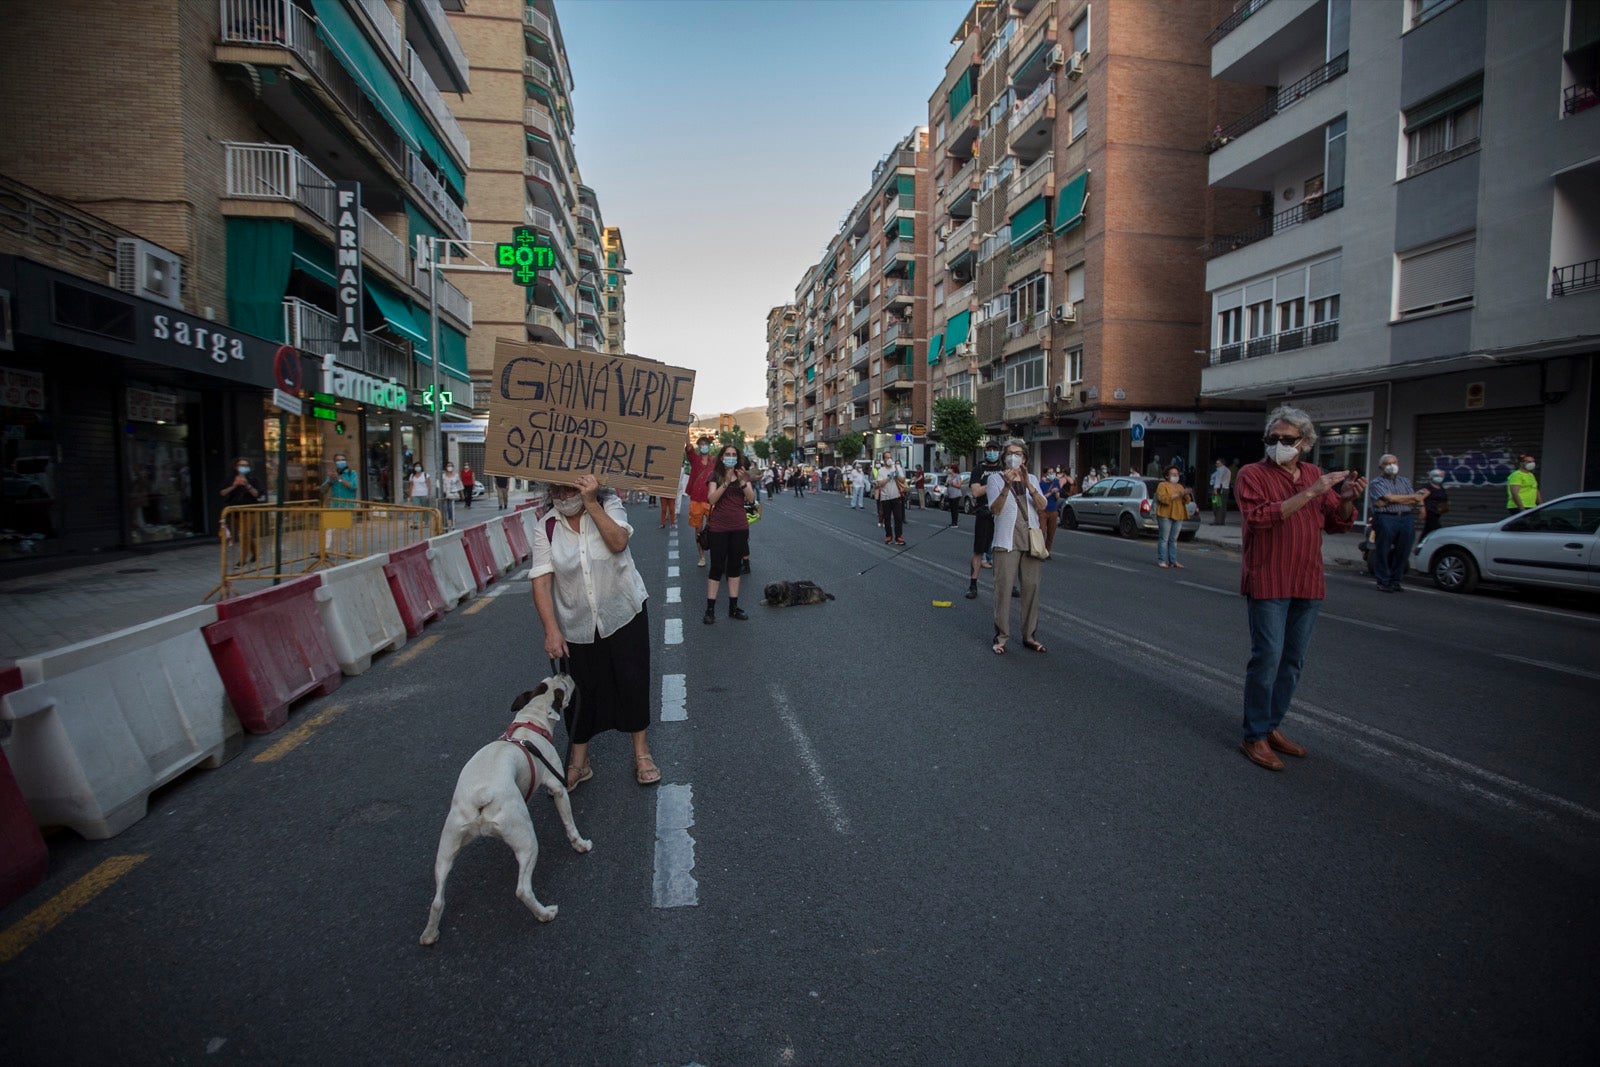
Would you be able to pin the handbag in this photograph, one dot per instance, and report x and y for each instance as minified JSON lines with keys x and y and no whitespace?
{"x":702,"y":536}
{"x":1036,"y":547}
{"x":1192,"y":509}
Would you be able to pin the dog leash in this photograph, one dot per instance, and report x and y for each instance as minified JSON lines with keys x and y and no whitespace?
{"x":903,"y":551}
{"x":569,"y":715}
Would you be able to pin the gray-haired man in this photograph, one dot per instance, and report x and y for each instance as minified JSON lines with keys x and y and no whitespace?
{"x":1392,"y":500}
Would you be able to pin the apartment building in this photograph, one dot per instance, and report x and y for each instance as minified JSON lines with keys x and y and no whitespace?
{"x":177,"y":180}
{"x":1421,"y":270}
{"x":860,"y":318}
{"x":521,"y":121}
{"x":782,"y":363}
{"x":1069,"y":209}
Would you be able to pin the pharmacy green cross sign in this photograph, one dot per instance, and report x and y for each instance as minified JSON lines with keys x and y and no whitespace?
{"x":526,"y":255}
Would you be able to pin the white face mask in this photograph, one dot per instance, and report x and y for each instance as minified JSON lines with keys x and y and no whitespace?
{"x":1529,"y":466}
{"x":1437,"y":479}
{"x":1391,"y":469}
{"x":1172,"y":478}
{"x":1282,"y":454}
{"x":1013,"y":461}
{"x":569,"y":505}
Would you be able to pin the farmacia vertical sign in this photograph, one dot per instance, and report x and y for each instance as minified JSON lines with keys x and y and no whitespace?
{"x":347,"y":293}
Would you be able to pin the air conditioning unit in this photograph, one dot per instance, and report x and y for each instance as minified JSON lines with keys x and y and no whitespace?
{"x":1058,"y":58}
{"x":1060,"y":393}
{"x":1075,"y":66}
{"x":962,"y":349}
{"x":1066,"y":313}
{"x":148,"y":270}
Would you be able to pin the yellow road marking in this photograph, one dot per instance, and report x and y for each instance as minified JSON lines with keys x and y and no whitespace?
{"x":39,"y":922}
{"x":411,"y":651}
{"x":300,"y":734}
{"x":483,"y":601}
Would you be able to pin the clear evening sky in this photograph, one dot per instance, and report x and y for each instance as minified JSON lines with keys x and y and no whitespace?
{"x":727,"y":138}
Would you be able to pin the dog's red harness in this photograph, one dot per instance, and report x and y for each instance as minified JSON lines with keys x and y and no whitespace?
{"x":529,"y":752}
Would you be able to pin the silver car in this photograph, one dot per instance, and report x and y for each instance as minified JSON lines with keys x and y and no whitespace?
{"x":1555,"y":545}
{"x":1125,"y":504}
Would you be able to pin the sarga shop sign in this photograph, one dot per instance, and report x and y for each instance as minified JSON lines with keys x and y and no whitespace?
{"x":347,"y":293}
{"x":556,"y":413}
{"x":350,"y":384}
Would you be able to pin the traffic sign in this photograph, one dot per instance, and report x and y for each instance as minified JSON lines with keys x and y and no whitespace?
{"x":1136,"y":431}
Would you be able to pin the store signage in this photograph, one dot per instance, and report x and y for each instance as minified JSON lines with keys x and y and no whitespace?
{"x":347,"y":290}
{"x":21,"y":389}
{"x":1227,"y":421}
{"x":525,"y":256}
{"x":219,"y":345}
{"x":347,"y":384}
{"x":446,"y":398}
{"x":288,"y":402}
{"x":463,"y":427}
{"x":1335,"y":408}
{"x":556,"y":413}
{"x":918,"y":430}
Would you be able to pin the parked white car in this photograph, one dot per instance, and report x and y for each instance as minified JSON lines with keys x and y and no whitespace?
{"x":1555,"y":545}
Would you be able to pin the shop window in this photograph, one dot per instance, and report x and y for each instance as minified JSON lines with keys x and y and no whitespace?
{"x":160,"y":468}
{"x":30,"y":520}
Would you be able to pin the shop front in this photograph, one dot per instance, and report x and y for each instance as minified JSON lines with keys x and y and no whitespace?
{"x":120,"y":417}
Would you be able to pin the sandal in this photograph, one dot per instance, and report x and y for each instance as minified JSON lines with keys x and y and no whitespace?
{"x":999,"y":646}
{"x":576,"y":776}
{"x":645,"y":771}
{"x":1034,"y":646}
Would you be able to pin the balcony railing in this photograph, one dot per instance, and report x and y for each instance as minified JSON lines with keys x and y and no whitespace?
{"x":433,"y":191}
{"x":537,"y":118}
{"x":316,"y":332}
{"x":858,"y":354}
{"x":280,"y":24}
{"x":436,"y":105}
{"x":1579,"y":276}
{"x":1027,"y":402}
{"x":540,"y":218}
{"x":446,"y":34}
{"x":1026,"y":325}
{"x":860,"y":389}
{"x":378,"y":242}
{"x":959,"y":299}
{"x":1320,"y":333}
{"x":541,"y":316}
{"x":960,"y":239}
{"x":587,"y":244}
{"x":861,"y":423}
{"x":860,"y":318}
{"x":1031,"y":104}
{"x":536,"y":20}
{"x":538,"y":71}
{"x":1439,"y":159}
{"x":452,"y":301}
{"x":1033,"y":246}
{"x":1282,"y":100}
{"x":587,"y":212}
{"x":1235,"y":20}
{"x":388,"y":28}
{"x":1580,"y":97}
{"x":898,"y":290}
{"x":1308,"y":209}
{"x":892,"y":335}
{"x":899,"y":414}
{"x":1035,"y":171}
{"x":897,"y":372}
{"x":276,"y":172}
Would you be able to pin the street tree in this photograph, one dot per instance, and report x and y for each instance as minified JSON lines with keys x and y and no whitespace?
{"x":734,"y":437}
{"x":783,"y":448}
{"x":851,"y":446}
{"x":763,"y":448}
{"x":957,"y":427}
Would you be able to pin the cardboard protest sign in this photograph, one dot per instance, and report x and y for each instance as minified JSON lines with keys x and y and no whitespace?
{"x":556,"y":413}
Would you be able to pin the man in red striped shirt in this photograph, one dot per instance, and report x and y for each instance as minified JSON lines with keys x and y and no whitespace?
{"x":1285,"y":505}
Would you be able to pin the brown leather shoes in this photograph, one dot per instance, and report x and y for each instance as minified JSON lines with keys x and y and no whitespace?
{"x":1282,"y":744}
{"x":1261,"y":755}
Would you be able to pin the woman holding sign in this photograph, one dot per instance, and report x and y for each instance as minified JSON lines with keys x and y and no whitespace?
{"x":591,"y":601}
{"x":727,"y":530}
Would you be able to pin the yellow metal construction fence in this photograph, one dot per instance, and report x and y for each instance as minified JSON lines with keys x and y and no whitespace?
{"x":256,"y":548}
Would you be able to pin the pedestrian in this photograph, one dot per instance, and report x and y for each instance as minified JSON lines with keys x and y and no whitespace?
{"x":1089,"y":479}
{"x":1221,"y":483}
{"x":952,"y":493}
{"x":1522,"y":488}
{"x":768,"y":477}
{"x":1173,"y":499}
{"x":1051,"y":485}
{"x":1437,"y":503}
{"x":1392,"y":503}
{"x":857,"y":481}
{"x":468,"y":485}
{"x":242,"y":490}
{"x":700,"y":460}
{"x":450,"y":487}
{"x":1285,"y":506}
{"x":1152,"y":470}
{"x":502,"y":491}
{"x":591,"y":601}
{"x":419,"y":488}
{"x":669,"y":507}
{"x":892,"y":486}
{"x":729,"y":531}
{"x":340,"y":484}
{"x":983,"y":521}
{"x":921,"y":484}
{"x":1015,"y":502}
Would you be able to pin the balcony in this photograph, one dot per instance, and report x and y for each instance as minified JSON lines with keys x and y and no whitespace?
{"x":1280,"y":101}
{"x":316,"y":332}
{"x":861,"y":318}
{"x":590,"y":215}
{"x":1575,"y":279}
{"x":435,"y":25}
{"x":276,"y":172}
{"x":546,"y":325}
{"x":587,"y":245}
{"x":858,"y":354}
{"x":958,"y":300}
{"x":897,"y":293}
{"x":418,"y":73}
{"x":860,"y":389}
{"x":537,"y":118}
{"x":861,"y":423}
{"x":379,"y":244}
{"x":1235,"y":20}
{"x":898,"y":376}
{"x":1040,"y":169}
{"x":1026,"y":327}
{"x":1034,"y":115}
{"x":432,"y":191}
{"x":590,"y":340}
{"x":1031,"y":248}
{"x":1305,"y":211}
{"x":539,"y":73}
{"x":899,"y":332}
{"x":587,"y":308}
{"x":898,"y":415}
{"x":1580,"y":97}
{"x":898,"y":255}
{"x":1321,"y":333}
{"x":544,"y":221}
{"x":537,"y":21}
{"x":1027,"y":404}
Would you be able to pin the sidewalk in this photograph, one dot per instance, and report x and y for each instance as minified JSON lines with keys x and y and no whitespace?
{"x":1338,"y":550}
{"x":46,"y":611}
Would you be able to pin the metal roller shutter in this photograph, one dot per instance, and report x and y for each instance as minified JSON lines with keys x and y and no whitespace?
{"x":1437,"y":278}
{"x":1477,"y":450}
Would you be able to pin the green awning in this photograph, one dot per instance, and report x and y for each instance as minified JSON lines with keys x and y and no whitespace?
{"x":258,"y":262}
{"x":905,"y":184}
{"x":611,"y":259}
{"x":955,"y":330}
{"x":1469,"y":91}
{"x":314,"y":258}
{"x":811,"y":373}
{"x":453,"y":353}
{"x":1070,"y":202}
{"x":611,"y":281}
{"x":935,"y":348}
{"x":1027,"y":221}
{"x":961,"y":92}
{"x":419,"y":225}
{"x":355,"y":51}
{"x":396,"y":311}
{"x":906,"y":229}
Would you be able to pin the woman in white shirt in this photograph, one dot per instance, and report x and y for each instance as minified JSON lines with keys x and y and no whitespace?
{"x":451,"y":485}
{"x":1015,"y":501}
{"x":591,"y":602}
{"x":418,"y":480}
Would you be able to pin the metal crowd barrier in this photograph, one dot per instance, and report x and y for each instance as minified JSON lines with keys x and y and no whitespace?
{"x":313,"y":536}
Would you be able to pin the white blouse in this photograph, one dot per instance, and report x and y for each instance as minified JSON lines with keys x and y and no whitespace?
{"x":594,"y":588}
{"x":1005,"y":523}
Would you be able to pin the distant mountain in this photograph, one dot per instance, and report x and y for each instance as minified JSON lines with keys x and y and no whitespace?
{"x":753,"y":421}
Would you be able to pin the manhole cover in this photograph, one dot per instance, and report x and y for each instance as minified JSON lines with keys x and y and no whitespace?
{"x":138,"y":570}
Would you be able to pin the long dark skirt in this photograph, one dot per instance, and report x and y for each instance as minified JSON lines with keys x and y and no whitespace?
{"x":613,"y":678}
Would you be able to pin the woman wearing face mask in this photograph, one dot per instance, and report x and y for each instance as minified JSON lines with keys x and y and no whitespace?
{"x":243,"y":490}
{"x":1015,"y":502}
{"x":730,"y":489}
{"x":891,"y":484}
{"x":591,"y":601}
{"x":983,"y":521}
{"x":1172,"y":507}
{"x":450,"y":485}
{"x":1436,"y":505}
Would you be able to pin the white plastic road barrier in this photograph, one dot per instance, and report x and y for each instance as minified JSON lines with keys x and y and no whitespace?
{"x":500,"y":546}
{"x":359,"y":613}
{"x":99,"y":724}
{"x":532,"y":523}
{"x":448,"y":558}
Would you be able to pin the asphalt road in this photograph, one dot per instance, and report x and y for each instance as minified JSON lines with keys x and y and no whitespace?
{"x":905,"y":849}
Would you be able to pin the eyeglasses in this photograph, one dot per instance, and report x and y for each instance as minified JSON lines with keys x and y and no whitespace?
{"x":1281,"y":439}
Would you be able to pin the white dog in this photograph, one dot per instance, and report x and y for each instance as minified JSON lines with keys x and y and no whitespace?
{"x":492,"y":795}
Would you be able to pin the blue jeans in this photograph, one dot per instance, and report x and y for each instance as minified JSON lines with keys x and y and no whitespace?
{"x":855,"y":495}
{"x":1280,"y":631}
{"x":1167,"y":539}
{"x":1391,"y":554}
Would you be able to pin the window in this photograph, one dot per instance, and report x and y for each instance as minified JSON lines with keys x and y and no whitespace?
{"x":1075,"y":284}
{"x":1080,"y":33}
{"x":1075,"y":365}
{"x":1025,"y":374}
{"x":1260,"y":317}
{"x":1291,"y":314}
{"x":960,"y":385}
{"x":877,"y":407}
{"x":877,"y":290}
{"x":1423,"y":10}
{"x":938,"y":133}
{"x":1230,"y":325}
{"x":1443,"y":128}
{"x":938,"y":294}
{"x":1325,"y":310}
{"x":875,"y":325}
{"x":1437,"y":278}
{"x":1078,"y":118}
{"x":1028,"y":298}
{"x":1562,"y":517}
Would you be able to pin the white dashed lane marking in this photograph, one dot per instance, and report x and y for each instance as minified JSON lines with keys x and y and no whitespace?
{"x":675,"y":886}
{"x":674,"y":594}
{"x":673,"y":633}
{"x":674,"y":698}
{"x":672,"y":572}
